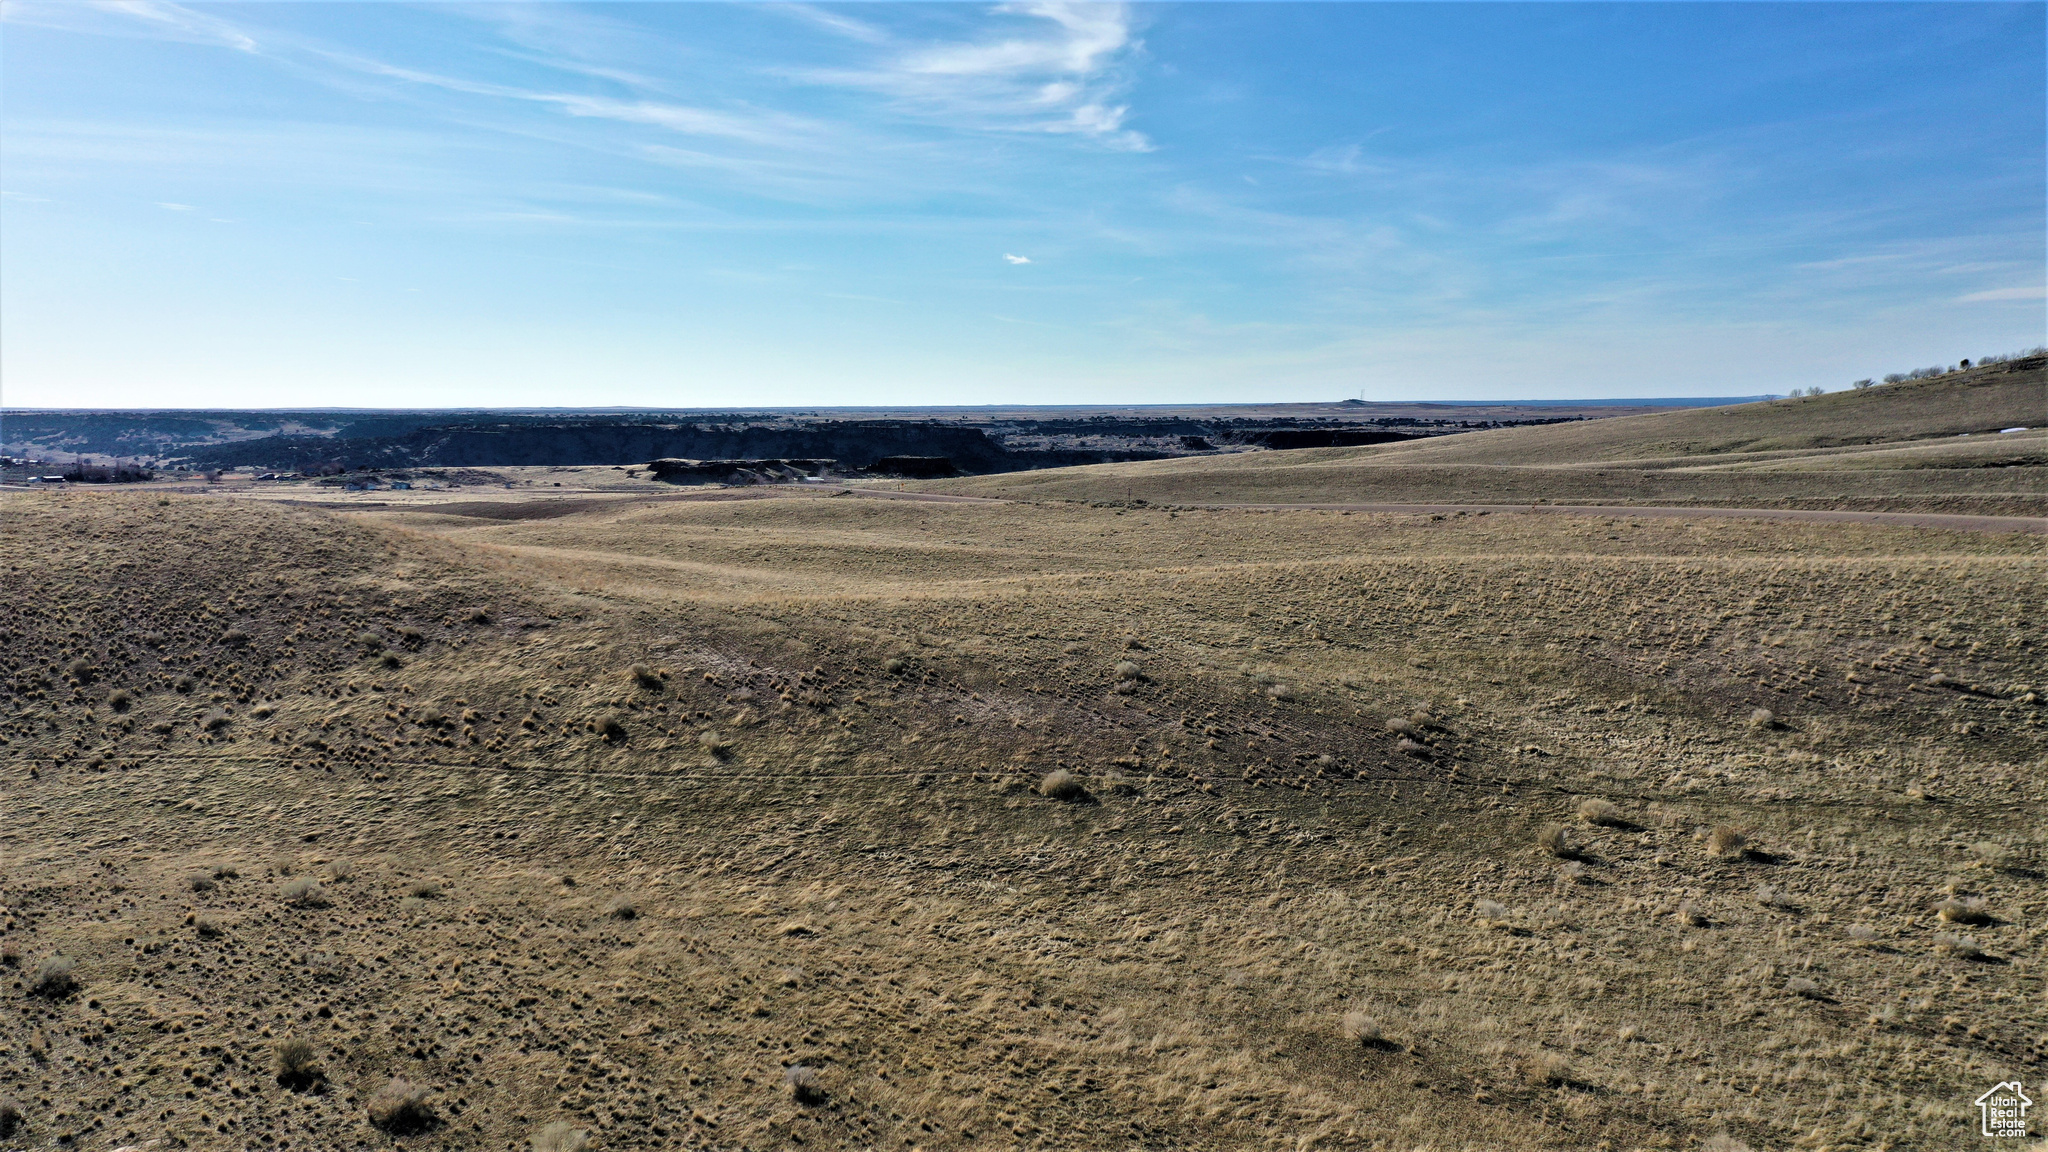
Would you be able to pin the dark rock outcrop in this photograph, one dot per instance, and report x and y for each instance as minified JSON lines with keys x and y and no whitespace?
{"x":737,"y":471}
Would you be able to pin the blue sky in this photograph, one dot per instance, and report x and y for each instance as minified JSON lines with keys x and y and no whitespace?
{"x":706,"y":204}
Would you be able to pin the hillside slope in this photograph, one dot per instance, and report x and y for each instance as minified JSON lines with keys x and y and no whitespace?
{"x":1809,"y":452}
{"x":1975,"y":401}
{"x":994,"y":826}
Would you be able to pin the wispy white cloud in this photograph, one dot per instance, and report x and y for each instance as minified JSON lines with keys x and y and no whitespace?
{"x":837,"y":22}
{"x":1016,"y":259}
{"x":2026,"y":292}
{"x":198,"y":25}
{"x":1060,"y":72}
{"x":174,"y":207}
{"x":154,"y":18}
{"x":760,"y":126}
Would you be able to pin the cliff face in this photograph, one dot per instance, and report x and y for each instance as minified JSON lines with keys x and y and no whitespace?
{"x":855,"y":444}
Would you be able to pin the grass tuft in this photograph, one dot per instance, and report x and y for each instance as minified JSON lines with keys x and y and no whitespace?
{"x":1548,"y":1069}
{"x":298,"y":1063}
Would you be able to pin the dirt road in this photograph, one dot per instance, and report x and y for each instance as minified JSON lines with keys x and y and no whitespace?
{"x":1956,"y":523}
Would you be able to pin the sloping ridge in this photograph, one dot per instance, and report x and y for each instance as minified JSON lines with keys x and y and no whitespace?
{"x":1693,"y":456}
{"x":1973,"y":401}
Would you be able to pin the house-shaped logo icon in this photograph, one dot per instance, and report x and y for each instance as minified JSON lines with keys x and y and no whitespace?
{"x":2004,"y":1109}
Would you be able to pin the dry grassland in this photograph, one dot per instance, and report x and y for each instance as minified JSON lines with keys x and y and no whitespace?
{"x":1929,"y":445}
{"x":810,"y":821}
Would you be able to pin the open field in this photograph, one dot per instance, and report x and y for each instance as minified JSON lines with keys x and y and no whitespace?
{"x":773,"y":819}
{"x":1930,"y":445}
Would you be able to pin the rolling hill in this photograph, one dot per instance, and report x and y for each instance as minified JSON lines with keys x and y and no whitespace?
{"x":1897,"y":446}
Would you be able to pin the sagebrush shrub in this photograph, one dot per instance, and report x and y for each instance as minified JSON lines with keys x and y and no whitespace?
{"x":1991,"y":854}
{"x":560,"y":1136}
{"x":1360,"y":1027}
{"x":1963,"y":910}
{"x":1725,"y":841}
{"x":55,"y":978}
{"x":1958,"y":945}
{"x":303,"y":892}
{"x":1061,"y":784}
{"x":1599,"y":812}
{"x":805,"y":1086}
{"x":400,"y":1107}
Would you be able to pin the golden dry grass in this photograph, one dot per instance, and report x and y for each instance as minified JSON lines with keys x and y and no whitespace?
{"x":1900,"y":447}
{"x":818,"y":836}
